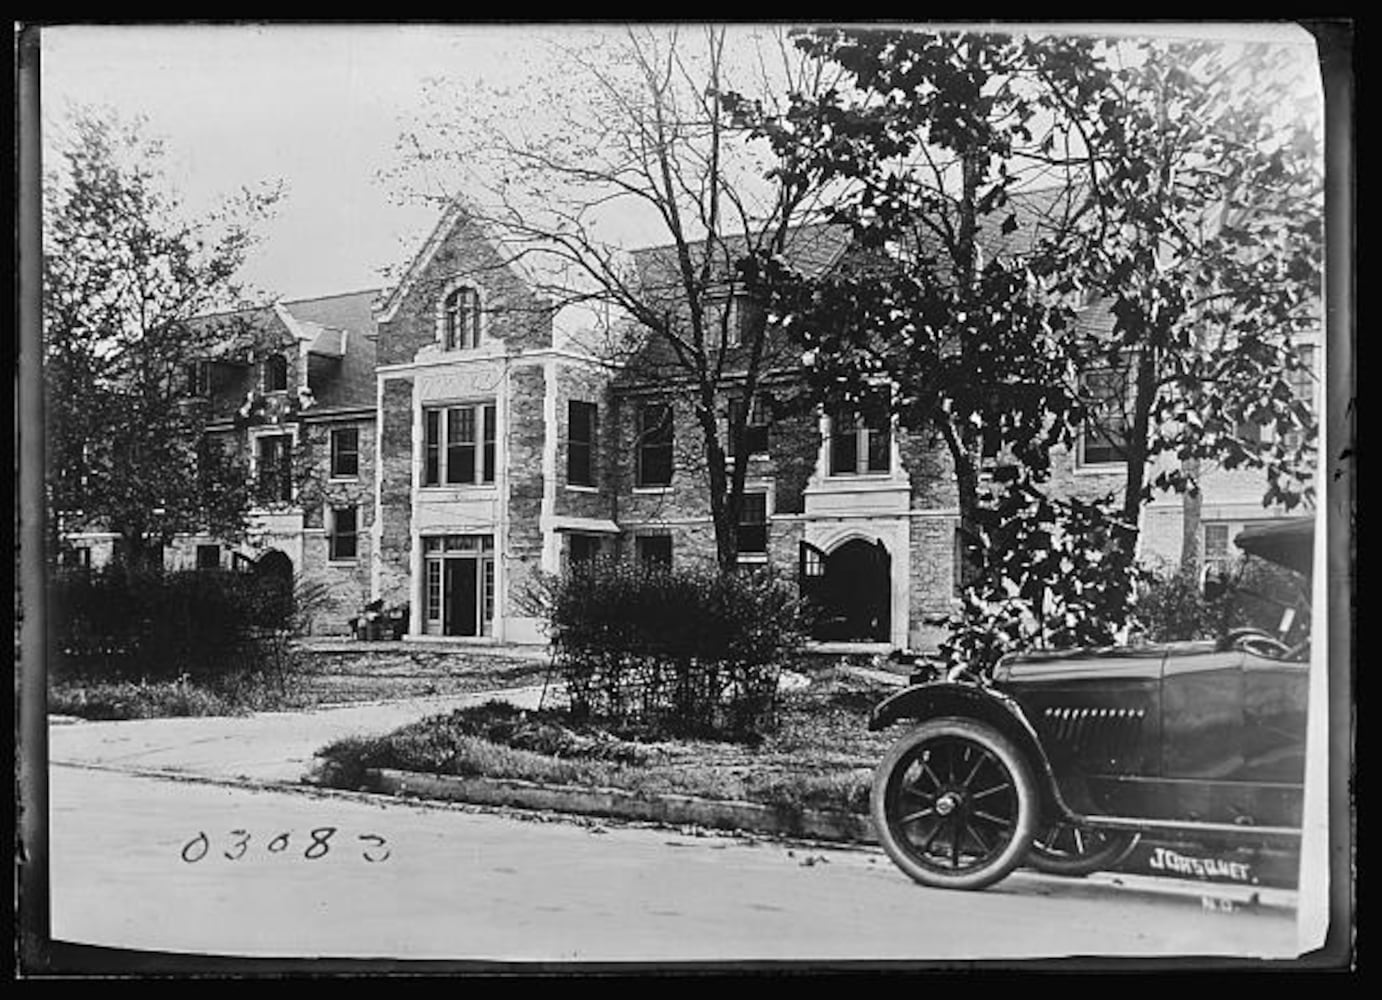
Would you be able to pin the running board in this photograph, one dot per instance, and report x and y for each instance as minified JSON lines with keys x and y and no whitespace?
{"x":1189,"y":826}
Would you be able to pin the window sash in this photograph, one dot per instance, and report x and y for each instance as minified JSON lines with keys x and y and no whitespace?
{"x":345,"y":452}
{"x":1107,"y":421}
{"x":654,"y":551}
{"x":655,"y":445}
{"x":274,"y":473}
{"x":459,"y":445}
{"x":344,"y":537}
{"x":752,"y":533}
{"x":275,"y":369}
{"x":754,"y":431}
{"x":461,"y":319}
{"x":860,"y":444}
{"x":580,"y":444}
{"x":208,"y":557}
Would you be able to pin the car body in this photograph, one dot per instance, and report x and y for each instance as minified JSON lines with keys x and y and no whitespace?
{"x":1192,"y":739}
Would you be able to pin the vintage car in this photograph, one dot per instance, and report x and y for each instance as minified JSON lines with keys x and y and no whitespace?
{"x":1063,"y":759}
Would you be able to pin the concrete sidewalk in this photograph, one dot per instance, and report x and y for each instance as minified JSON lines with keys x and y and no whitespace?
{"x":276,"y":747}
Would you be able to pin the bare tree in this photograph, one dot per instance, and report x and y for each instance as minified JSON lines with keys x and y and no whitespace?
{"x":626,"y":142}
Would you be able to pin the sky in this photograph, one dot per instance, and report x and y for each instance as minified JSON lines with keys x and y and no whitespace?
{"x":318,"y":107}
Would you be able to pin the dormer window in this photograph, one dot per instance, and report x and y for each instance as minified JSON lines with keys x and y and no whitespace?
{"x":275,"y":373}
{"x":460,"y":321}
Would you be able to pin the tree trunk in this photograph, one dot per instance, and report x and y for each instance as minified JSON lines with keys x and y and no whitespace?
{"x":1190,"y":506}
{"x":1137,"y":437}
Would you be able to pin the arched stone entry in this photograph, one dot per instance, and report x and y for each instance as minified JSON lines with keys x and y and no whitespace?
{"x":849,"y":590}
{"x":276,"y":566}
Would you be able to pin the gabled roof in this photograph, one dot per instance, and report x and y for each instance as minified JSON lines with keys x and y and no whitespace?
{"x":811,"y":249}
{"x":457,"y":211}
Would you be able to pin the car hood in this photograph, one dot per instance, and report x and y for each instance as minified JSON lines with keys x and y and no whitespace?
{"x":1118,"y":661}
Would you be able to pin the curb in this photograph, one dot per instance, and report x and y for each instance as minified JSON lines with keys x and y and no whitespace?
{"x":677,"y":810}
{"x":844,"y":829}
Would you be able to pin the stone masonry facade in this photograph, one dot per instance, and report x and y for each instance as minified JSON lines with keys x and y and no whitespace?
{"x":467,"y":417}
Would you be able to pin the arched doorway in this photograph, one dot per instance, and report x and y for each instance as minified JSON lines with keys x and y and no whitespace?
{"x":273,"y":571}
{"x":848,"y":590}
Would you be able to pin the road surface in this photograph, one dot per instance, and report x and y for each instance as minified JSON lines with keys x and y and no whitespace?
{"x":131,"y":869}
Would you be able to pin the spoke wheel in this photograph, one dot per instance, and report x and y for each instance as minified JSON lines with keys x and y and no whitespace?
{"x":1076,"y":851}
{"x":954,"y":804}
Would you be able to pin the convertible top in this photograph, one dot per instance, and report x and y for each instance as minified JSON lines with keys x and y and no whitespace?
{"x":1286,"y":543}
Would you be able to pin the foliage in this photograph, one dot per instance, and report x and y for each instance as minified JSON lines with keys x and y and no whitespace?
{"x":119,"y":622}
{"x":124,"y":274}
{"x":1174,"y":606}
{"x":628,"y":134}
{"x":1054,"y":575}
{"x":683,"y":651}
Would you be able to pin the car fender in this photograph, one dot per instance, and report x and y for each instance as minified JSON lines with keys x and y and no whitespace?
{"x":974,"y":701}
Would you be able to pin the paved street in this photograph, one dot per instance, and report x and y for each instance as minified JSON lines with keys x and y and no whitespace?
{"x":131,"y":800}
{"x":129,"y":870}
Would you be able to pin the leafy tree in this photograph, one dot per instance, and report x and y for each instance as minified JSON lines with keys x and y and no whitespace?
{"x":1186,"y":200}
{"x":625,"y":141}
{"x":123,"y":276}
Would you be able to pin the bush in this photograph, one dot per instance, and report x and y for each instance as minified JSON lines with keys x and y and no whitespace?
{"x":166,"y":625}
{"x":1173,"y":606}
{"x":685,"y":652}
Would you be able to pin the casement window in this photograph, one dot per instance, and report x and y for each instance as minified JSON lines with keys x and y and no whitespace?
{"x":581,"y":439}
{"x":582,"y":552}
{"x":208,"y":557}
{"x":755,"y":427}
{"x":752,"y":532}
{"x":654,"y":551}
{"x":275,"y":373}
{"x":274,"y":467}
{"x":343,"y":535}
{"x":460,"y":319}
{"x":345,"y":452}
{"x":861,"y":442}
{"x":655,"y":444}
{"x":1104,"y":435}
{"x":458,"y":446}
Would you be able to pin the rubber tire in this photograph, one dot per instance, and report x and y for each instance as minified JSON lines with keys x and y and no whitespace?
{"x":1028,"y":803}
{"x":1115,"y":849}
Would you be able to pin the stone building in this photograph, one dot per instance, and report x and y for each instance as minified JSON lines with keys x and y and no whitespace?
{"x":458,"y":439}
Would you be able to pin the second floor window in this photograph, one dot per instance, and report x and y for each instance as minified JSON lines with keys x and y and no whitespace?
{"x":861,"y":442}
{"x":345,"y":452}
{"x":460,"y":322}
{"x":580,"y":443}
{"x":343,"y":537}
{"x":198,"y":378}
{"x":1104,"y":437}
{"x":275,"y":373}
{"x":655,"y":444}
{"x":755,"y":424}
{"x":654,"y":551}
{"x":753,"y":524}
{"x":458,"y":447}
{"x":274,"y":472}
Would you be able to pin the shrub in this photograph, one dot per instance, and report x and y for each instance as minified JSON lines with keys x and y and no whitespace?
{"x":1174,"y":605}
{"x":684,"y":652}
{"x":164,"y":625}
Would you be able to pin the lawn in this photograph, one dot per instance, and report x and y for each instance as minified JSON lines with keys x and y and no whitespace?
{"x":821,"y":755}
{"x":341,"y":675}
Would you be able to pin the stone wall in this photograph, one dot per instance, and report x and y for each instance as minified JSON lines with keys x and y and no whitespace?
{"x":395,"y":471}
{"x":521,"y":549}
{"x":589,"y":385}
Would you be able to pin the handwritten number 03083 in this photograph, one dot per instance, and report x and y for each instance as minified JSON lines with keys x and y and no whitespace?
{"x":319,"y":845}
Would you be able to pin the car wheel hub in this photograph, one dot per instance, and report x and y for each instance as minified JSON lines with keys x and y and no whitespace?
{"x":947,"y":803}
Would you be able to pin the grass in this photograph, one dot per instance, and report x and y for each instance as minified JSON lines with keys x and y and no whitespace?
{"x":313,"y":680}
{"x":821,"y":756}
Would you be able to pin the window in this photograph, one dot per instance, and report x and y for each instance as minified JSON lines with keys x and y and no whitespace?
{"x":580,"y":443}
{"x":1303,"y":379}
{"x":583,"y":551}
{"x":274,"y":471}
{"x":458,"y":447}
{"x":753,"y":524}
{"x":198,"y":377}
{"x":655,"y":444}
{"x":345,"y":452}
{"x":861,"y":442}
{"x":755,"y":430}
{"x":1217,"y":556}
{"x":654,"y":551}
{"x":460,"y":322}
{"x":275,"y":370}
{"x":812,"y":562}
{"x":78,"y":557}
{"x":739,"y":318}
{"x":1106,"y":427}
{"x":343,"y":538}
{"x":208,"y":557}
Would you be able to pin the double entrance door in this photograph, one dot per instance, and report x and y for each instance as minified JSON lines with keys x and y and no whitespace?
{"x":459,"y":584}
